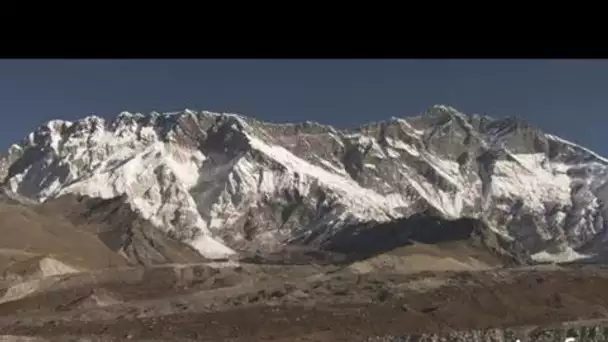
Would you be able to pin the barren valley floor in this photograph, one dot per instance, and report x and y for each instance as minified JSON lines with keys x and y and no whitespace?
{"x":252,"y":302}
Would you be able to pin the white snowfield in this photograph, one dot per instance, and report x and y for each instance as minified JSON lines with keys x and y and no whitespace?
{"x":566,"y":255}
{"x":175,"y":171}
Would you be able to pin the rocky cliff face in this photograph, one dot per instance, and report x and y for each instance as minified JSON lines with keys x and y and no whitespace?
{"x":225,"y":182}
{"x":4,"y":165}
{"x":121,"y":229}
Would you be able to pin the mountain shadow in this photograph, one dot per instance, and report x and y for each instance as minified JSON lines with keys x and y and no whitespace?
{"x":364,"y":241}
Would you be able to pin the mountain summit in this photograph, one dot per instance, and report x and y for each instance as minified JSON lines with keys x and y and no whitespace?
{"x":224,"y":182}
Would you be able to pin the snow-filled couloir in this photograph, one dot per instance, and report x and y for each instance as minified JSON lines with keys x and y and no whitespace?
{"x":225,"y":182}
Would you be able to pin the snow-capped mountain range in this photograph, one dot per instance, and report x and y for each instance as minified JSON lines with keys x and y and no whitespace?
{"x":225,"y":182}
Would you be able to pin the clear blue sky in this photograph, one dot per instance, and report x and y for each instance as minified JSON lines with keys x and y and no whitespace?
{"x":564,"y":97}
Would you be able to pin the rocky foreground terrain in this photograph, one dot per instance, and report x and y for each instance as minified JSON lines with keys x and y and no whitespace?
{"x":79,"y":277}
{"x":224,"y":302}
{"x":218,"y":227}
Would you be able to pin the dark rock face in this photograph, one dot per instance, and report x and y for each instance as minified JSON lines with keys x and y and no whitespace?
{"x":123,"y":230}
{"x":93,"y":222}
{"x":364,"y":241}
